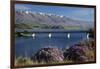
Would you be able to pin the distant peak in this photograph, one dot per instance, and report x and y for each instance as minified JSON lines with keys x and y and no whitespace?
{"x":41,"y":13}
{"x":27,"y":12}
{"x":61,"y":16}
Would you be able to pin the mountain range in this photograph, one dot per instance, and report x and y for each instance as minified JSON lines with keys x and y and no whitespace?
{"x":39,"y":20}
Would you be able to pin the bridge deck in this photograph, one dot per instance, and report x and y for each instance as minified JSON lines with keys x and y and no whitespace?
{"x":54,"y":31}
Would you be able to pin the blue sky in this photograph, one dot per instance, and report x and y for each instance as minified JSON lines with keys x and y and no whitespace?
{"x":85,"y":14}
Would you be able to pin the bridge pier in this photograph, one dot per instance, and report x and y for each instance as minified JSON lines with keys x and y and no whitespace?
{"x":33,"y":35}
{"x":49,"y":35}
{"x":68,"y":35}
{"x":87,"y":35}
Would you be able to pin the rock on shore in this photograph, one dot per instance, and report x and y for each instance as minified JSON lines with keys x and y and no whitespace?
{"x":48,"y":55}
{"x":81,"y":52}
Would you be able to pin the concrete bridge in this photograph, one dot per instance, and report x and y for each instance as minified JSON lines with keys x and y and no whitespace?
{"x":54,"y":31}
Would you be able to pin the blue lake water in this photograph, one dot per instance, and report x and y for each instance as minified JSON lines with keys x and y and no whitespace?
{"x":26,"y":46}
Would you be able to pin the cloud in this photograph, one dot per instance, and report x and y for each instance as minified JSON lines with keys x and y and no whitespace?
{"x":83,"y":14}
{"x":21,"y":7}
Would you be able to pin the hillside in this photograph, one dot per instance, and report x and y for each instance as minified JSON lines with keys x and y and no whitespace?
{"x":38,"y":20}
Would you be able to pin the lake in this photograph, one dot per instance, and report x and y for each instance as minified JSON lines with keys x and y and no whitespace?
{"x":26,"y":46}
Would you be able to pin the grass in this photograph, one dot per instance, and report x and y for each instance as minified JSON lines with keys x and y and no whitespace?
{"x":90,"y":55}
{"x":71,"y":27}
{"x":20,"y":61}
{"x":44,"y":26}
